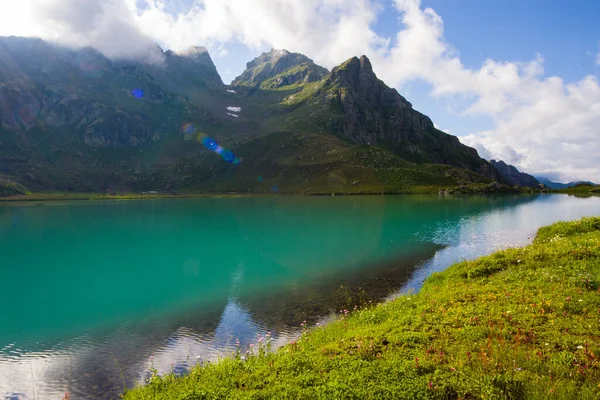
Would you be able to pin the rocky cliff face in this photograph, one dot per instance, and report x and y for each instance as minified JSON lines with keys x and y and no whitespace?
{"x":513,"y":176}
{"x":369,"y":112}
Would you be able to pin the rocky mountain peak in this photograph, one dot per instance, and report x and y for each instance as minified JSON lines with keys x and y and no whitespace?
{"x":365,"y":64}
{"x":356,"y":74}
{"x":293,"y":67}
{"x":195,"y":61}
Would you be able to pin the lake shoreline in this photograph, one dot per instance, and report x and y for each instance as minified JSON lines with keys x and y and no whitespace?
{"x":519,"y":323}
{"x":425,"y":190}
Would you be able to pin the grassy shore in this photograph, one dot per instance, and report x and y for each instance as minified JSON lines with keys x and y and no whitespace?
{"x":417,"y":189}
{"x":520,"y":323}
{"x":54,"y":196}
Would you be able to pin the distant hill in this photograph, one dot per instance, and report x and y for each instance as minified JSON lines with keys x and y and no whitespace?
{"x":514,"y":176}
{"x":558,"y":185}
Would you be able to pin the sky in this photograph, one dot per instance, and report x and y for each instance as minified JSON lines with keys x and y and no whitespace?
{"x":517,"y":80}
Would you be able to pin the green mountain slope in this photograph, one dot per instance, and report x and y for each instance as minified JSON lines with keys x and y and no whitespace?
{"x":353,"y":104}
{"x":73,"y":120}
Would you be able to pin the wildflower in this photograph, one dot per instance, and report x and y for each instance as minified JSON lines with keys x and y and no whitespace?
{"x":151,"y":358}
{"x":251,"y":344}
{"x":580,"y":347}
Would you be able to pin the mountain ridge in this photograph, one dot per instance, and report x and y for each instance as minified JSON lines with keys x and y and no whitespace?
{"x":559,"y":185}
{"x":514,"y":176}
{"x":76,"y":120}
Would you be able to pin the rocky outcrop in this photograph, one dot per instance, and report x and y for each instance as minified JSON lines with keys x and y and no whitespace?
{"x":9,"y":187}
{"x":513,"y":176}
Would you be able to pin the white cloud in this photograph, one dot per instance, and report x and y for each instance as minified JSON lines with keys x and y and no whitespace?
{"x":107,"y":25}
{"x":542,"y":124}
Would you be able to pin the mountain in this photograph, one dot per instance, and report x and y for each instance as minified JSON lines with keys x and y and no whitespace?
{"x":74,"y":120}
{"x":514,"y":176}
{"x":279,"y":68}
{"x":558,"y":185}
{"x":353,"y":104}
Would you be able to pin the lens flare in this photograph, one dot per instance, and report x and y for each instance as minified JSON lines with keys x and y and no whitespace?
{"x":187,"y":128}
{"x":228,"y":156}
{"x":209,"y":143}
{"x":137,"y":93}
{"x":190,"y":132}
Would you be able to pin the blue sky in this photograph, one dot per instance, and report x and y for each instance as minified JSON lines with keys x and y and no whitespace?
{"x":566,"y":35}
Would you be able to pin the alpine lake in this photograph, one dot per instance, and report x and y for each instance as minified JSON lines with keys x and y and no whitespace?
{"x":95,"y":294}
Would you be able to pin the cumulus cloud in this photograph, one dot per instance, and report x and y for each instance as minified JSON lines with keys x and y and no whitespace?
{"x":107,"y":25}
{"x":542,"y":124}
{"x":327,"y":30}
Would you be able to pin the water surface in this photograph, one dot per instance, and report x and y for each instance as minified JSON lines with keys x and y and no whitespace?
{"x":92,"y":290}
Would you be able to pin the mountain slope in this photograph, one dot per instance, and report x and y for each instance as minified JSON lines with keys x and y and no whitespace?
{"x":73,"y":120}
{"x":353,"y":104}
{"x":514,"y":176}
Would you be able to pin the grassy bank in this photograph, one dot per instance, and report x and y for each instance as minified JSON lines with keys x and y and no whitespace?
{"x":520,"y":323}
{"x":100,"y":196}
{"x":360,"y":191}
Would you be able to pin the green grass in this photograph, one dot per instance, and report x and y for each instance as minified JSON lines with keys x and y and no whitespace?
{"x":58,"y":196}
{"x":520,"y":323}
{"x":580,"y":190}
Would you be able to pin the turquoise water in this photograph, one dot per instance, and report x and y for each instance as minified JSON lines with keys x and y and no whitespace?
{"x":92,"y":290}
